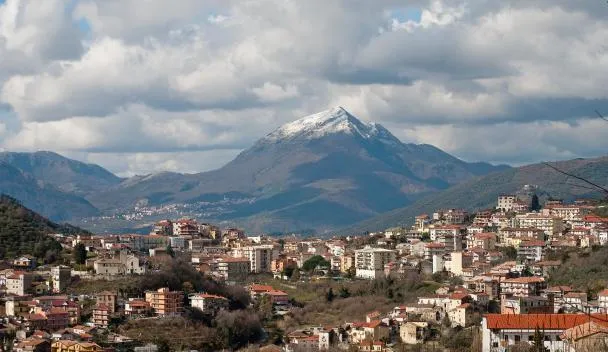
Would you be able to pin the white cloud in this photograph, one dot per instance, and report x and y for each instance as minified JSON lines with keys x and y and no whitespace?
{"x":153,"y":82}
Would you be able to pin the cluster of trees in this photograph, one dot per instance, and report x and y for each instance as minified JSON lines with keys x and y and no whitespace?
{"x":24,"y":232}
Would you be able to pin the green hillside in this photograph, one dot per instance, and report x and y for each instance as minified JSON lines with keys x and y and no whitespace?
{"x":22,"y":231}
{"x":481,"y":193}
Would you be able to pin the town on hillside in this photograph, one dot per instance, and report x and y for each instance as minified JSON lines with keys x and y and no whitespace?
{"x":523,"y":276}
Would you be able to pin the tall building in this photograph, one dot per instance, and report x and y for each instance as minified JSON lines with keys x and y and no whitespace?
{"x":506,"y":202}
{"x":260,"y":258}
{"x":61,"y":276}
{"x":163,"y":227}
{"x":20,"y":283}
{"x":370,"y":262}
{"x":165,"y":302}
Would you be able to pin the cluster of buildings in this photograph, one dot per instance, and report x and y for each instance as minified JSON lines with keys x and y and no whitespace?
{"x":499,"y":256}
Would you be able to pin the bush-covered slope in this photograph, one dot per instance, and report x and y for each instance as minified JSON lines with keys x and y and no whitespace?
{"x":22,"y":231}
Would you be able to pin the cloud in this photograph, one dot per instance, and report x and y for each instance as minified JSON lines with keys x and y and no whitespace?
{"x":142,"y":87}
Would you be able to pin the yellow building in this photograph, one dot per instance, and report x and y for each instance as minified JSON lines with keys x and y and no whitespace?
{"x":74,"y":346}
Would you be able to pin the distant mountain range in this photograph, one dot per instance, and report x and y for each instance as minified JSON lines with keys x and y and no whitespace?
{"x":322,"y":172}
{"x":482,"y":192}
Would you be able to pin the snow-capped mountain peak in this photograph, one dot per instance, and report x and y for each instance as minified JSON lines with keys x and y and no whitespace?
{"x":333,"y":121}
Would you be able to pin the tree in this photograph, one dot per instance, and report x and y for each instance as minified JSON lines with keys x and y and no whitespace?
{"x":170,"y":251}
{"x":535,"y":203}
{"x":162,"y":345}
{"x":80,"y":254}
{"x":344,"y":292}
{"x":538,"y":342}
{"x":314,"y":262}
{"x":330,"y":295}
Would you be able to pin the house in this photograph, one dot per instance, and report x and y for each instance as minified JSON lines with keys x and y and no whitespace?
{"x":523,"y":286}
{"x":362,"y":331}
{"x":207,"y":303}
{"x":122,"y":265}
{"x":32,"y":344}
{"x":165,"y":302}
{"x":412,"y":333}
{"x":26,"y":262}
{"x":137,"y":308}
{"x":278,"y":297}
{"x":74,"y":346}
{"x":499,"y":331}
{"x":589,"y":336}
{"x":372,"y":346}
{"x":461,"y":315}
{"x":510,"y":304}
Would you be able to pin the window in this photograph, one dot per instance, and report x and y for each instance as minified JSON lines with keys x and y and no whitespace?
{"x":547,"y":338}
{"x":530,"y":337}
{"x":517,"y":338}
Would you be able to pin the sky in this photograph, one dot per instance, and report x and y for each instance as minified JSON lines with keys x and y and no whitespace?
{"x":143,"y":86}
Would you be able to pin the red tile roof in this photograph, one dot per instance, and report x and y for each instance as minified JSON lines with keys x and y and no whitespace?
{"x":542,"y":321}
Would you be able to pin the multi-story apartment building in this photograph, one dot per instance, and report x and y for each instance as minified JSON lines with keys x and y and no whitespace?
{"x":19,"y":283}
{"x":260,"y":258}
{"x":505,"y":202}
{"x":185,"y":227}
{"x":433,"y":249}
{"x":107,"y":298}
{"x":347,"y":261}
{"x":101,"y":315}
{"x":551,"y":225}
{"x":531,"y":251}
{"x":232,"y":269}
{"x":60,"y":276}
{"x":163,"y":228}
{"x":523,"y":286}
{"x":370,"y":262}
{"x":165,"y":302}
{"x":484,"y":240}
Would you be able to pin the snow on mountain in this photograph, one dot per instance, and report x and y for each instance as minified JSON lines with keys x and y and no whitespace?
{"x":332,"y":121}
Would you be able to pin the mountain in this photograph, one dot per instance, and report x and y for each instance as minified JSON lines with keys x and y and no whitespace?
{"x":22,"y":231}
{"x":42,"y":196}
{"x":66,"y":175}
{"x":482,"y":192}
{"x":320,"y":172}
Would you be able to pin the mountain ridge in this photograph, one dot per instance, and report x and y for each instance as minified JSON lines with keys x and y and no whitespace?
{"x":481,"y":192}
{"x":293,"y":167}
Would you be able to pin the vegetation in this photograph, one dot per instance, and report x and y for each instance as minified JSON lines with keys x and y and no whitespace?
{"x":80,"y":254}
{"x":584,"y":270}
{"x":314,"y":262}
{"x":481,"y":193}
{"x":24,"y":232}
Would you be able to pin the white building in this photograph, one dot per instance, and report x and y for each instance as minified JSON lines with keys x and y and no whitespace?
{"x":369,"y":262}
{"x":124,"y":264}
{"x":505,"y":202}
{"x":260,"y":257}
{"x":500,"y":331}
{"x":549,"y":224}
{"x":61,"y":276}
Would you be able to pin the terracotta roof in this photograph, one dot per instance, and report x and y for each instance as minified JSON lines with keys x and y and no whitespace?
{"x":207,"y":295}
{"x":525,"y":280}
{"x":260,"y":288}
{"x":541,"y":321}
{"x":583,"y":330}
{"x":532,"y":244}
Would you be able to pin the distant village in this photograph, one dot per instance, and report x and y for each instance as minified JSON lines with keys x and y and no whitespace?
{"x":492,"y":267}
